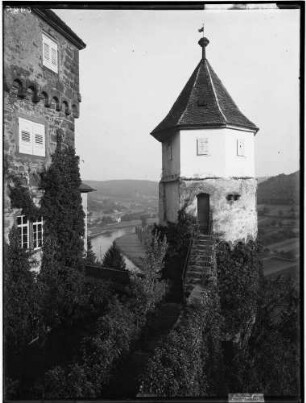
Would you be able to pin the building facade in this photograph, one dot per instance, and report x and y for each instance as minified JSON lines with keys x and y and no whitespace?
{"x":41,"y":103}
{"x":208,"y":163}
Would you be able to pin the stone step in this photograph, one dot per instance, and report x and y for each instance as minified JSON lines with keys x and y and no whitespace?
{"x":201,"y":253}
{"x":205,"y":238}
{"x":199,"y":266}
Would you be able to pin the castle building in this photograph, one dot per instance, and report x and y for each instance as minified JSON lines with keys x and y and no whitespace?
{"x":208,"y":158}
{"x":41,"y":103}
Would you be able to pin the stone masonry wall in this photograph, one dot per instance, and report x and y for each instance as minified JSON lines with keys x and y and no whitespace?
{"x":34,"y":92}
{"x":233,"y":221}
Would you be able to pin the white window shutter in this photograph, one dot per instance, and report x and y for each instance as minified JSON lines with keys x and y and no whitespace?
{"x":39,"y":139}
{"x":50,"y":58}
{"x":202,"y":146}
{"x":25,"y":136}
{"x":240,"y":148}
{"x":46,"y":52}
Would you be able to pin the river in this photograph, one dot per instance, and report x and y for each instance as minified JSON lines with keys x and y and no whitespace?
{"x":101,"y":243}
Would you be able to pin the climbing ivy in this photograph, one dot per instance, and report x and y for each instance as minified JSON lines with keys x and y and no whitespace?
{"x":187,"y":362}
{"x":21,"y":198}
{"x":239,"y":273}
{"x":178,"y":237}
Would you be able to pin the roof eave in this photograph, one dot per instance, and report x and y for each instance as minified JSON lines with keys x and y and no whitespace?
{"x":59,"y":25}
{"x":164,"y":134}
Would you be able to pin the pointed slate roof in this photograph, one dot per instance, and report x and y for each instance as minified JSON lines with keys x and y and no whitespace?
{"x":203,"y":102}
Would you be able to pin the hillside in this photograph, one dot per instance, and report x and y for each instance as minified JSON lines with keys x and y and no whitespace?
{"x":280,"y":189}
{"x":123,"y":189}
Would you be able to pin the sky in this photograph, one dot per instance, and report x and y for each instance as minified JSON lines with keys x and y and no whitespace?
{"x":136,"y":63}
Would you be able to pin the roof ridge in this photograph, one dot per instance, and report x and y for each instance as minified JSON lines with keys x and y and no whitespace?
{"x":194,"y":83}
{"x":214,"y":90}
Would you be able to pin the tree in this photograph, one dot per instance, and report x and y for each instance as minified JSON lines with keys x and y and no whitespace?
{"x":20,"y":292}
{"x":274,"y":347}
{"x":113,"y":258}
{"x":61,"y":206}
{"x":62,"y":288}
{"x":91,"y":258}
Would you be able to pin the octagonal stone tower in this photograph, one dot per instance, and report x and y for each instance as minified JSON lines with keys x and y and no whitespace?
{"x":208,"y":159}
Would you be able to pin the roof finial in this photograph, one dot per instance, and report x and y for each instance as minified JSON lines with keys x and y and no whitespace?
{"x":203,"y":42}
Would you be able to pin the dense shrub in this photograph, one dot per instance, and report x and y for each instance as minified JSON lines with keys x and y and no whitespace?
{"x":239,"y":273}
{"x":21,"y":311}
{"x":274,"y":347}
{"x":178,"y":238}
{"x":111,"y":338}
{"x":112,"y":335}
{"x":187,"y":363}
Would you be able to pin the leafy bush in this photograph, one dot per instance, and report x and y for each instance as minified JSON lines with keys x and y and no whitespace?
{"x":239,"y":275}
{"x":111,"y":338}
{"x":187,"y":362}
{"x":112,"y":335}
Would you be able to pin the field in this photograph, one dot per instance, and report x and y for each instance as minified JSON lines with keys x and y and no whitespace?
{"x":286,"y":246}
{"x":278,"y":230}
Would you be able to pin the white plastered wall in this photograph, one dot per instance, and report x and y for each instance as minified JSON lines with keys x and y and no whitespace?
{"x":171,"y":166}
{"x":222,"y":159}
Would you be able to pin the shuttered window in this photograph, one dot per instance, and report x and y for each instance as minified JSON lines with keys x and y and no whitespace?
{"x":240,"y":148}
{"x":31,"y":138}
{"x":50,"y":58}
{"x":202,"y":146}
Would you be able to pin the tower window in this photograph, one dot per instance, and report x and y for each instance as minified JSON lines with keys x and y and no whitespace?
{"x":50,"y":58}
{"x":202,"y":146}
{"x":232,"y":197}
{"x":240,"y":148}
{"x":31,"y":138}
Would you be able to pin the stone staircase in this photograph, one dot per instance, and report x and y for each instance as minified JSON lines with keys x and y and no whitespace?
{"x":199,"y":269}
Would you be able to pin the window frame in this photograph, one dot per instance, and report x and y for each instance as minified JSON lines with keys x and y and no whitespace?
{"x":203,"y":146}
{"x":32,"y":241}
{"x":52,"y":46}
{"x":241,"y":150}
{"x":31,"y":146}
{"x":35,"y":231}
{"x":21,"y":226}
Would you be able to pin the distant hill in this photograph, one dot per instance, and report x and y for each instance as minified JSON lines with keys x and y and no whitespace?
{"x":262,"y":179}
{"x":123,"y":189}
{"x":280,"y":189}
